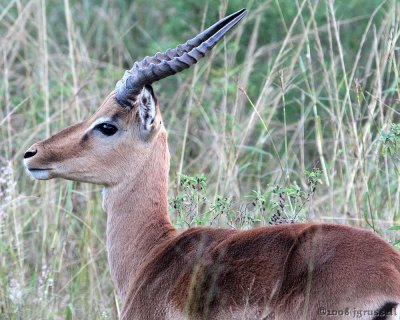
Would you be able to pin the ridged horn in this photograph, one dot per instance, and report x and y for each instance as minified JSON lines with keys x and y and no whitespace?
{"x":162,"y":65}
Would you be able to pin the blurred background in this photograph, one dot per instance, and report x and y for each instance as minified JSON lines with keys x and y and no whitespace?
{"x":293,"y":117}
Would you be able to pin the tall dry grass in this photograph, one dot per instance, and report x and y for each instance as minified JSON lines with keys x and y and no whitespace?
{"x":296,"y":83}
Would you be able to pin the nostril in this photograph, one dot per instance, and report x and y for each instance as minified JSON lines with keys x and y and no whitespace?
{"x":30,"y":153}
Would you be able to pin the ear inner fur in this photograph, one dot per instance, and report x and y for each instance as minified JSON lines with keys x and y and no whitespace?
{"x":147,"y":108}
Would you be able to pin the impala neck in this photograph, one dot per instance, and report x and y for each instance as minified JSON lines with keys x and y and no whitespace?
{"x":137,"y":215}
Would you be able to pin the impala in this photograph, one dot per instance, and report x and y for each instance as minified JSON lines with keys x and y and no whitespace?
{"x":293,"y":271}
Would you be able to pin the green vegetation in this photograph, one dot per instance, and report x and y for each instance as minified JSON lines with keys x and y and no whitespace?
{"x":294,"y":117}
{"x":275,"y":205}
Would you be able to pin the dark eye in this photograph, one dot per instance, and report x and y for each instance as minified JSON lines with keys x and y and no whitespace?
{"x":106,"y":128}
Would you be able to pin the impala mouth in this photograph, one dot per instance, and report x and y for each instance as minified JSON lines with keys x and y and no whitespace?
{"x":39,"y":174}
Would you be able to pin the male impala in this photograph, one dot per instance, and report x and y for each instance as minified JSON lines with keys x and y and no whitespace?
{"x":296,"y":271}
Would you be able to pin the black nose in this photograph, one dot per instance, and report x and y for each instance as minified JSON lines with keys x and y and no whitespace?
{"x":30,"y":153}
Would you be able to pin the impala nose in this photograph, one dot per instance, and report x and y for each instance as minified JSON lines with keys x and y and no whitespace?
{"x":30,"y":153}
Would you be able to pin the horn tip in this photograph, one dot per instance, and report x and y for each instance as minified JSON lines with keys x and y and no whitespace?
{"x":241,"y":13}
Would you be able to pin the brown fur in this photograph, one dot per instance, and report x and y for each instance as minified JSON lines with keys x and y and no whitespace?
{"x":279,"y":272}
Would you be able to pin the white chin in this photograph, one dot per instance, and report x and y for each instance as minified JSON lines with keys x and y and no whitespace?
{"x":39,"y":174}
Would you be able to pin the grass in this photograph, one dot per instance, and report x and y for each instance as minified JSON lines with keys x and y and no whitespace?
{"x":298,"y":85}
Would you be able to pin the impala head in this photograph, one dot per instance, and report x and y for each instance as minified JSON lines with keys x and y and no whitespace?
{"x":102,"y":148}
{"x":122,"y":132}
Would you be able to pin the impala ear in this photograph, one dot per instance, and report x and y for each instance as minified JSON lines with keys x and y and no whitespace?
{"x":147,"y":108}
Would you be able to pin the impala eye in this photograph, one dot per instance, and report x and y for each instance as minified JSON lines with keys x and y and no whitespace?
{"x":106,"y":128}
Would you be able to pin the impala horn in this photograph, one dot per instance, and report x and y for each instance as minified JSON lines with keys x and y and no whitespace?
{"x":162,"y":65}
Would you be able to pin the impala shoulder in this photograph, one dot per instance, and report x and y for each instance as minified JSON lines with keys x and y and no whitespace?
{"x":183,"y":249}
